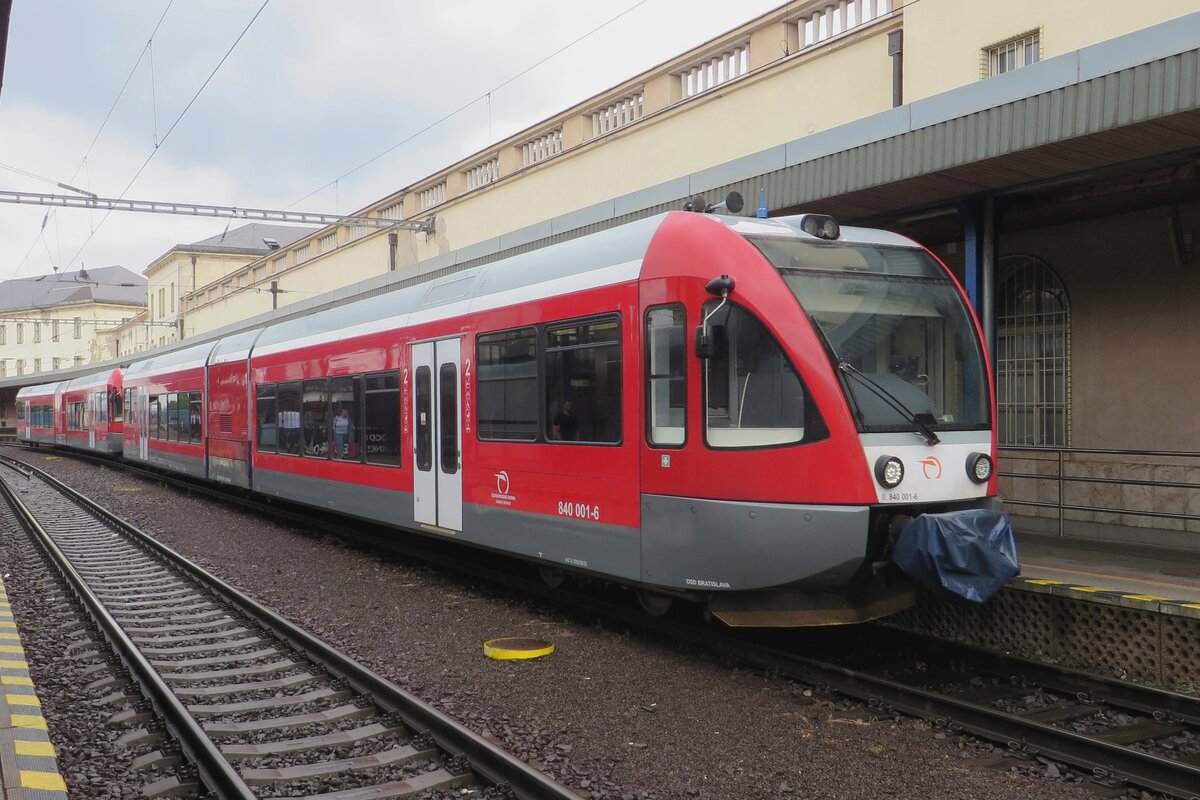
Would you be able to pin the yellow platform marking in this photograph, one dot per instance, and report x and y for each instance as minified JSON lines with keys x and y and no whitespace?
{"x":33,"y":721}
{"x":1088,"y":589}
{"x":7,"y":624}
{"x":1043,"y":582}
{"x":11,"y":663}
{"x":47,"y":781}
{"x":10,"y":637}
{"x":1189,"y":605}
{"x":1149,"y":598}
{"x":12,"y":648}
{"x":24,"y":747}
{"x":15,"y":680}
{"x":22,"y":700}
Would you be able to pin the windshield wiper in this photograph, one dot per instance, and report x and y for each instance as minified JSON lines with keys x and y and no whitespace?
{"x":923,"y":422}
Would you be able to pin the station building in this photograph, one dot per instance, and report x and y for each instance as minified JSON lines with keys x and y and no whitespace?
{"x":1046,"y":151}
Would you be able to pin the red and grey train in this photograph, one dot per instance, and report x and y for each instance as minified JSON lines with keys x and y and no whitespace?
{"x":741,"y":412}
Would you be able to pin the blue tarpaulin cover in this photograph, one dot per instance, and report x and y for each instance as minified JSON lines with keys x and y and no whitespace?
{"x":968,"y":554}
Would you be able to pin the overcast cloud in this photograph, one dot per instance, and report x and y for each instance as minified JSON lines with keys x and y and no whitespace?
{"x":312,"y":91}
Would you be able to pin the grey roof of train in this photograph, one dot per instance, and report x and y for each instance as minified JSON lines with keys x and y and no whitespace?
{"x":573,"y":257}
{"x":114,"y":285}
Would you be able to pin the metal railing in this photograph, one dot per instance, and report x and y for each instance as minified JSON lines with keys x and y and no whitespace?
{"x":1061,"y":457}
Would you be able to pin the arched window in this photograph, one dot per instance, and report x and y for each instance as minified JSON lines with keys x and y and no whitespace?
{"x":1033,"y":354}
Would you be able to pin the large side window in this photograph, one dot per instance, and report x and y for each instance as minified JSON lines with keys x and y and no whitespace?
{"x":507,"y":385}
{"x":448,"y":417}
{"x":173,"y":416}
{"x":316,"y":424}
{"x":101,"y":407}
{"x":583,"y":381}
{"x":345,"y":423}
{"x":264,"y":411}
{"x":753,"y":396}
{"x":381,"y":420}
{"x":666,"y":376}
{"x":287,"y":396}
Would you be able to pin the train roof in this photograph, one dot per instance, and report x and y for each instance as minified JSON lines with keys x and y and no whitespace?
{"x":173,"y":361}
{"x":39,"y":389}
{"x":92,"y":381}
{"x":613,"y":253}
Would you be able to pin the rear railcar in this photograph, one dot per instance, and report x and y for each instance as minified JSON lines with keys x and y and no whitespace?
{"x":93,"y":413}
{"x":36,"y":413}
{"x":164,"y":422}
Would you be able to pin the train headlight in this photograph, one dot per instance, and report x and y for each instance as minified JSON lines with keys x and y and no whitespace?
{"x":980,"y":467}
{"x":821,"y":226}
{"x":889,"y":471}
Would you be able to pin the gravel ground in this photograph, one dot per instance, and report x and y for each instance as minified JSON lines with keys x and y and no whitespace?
{"x":610,"y":714}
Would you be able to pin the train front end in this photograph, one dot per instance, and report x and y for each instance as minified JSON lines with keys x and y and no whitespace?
{"x":845,"y":394}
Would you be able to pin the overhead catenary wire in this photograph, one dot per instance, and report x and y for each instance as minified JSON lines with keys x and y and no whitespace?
{"x":83,"y":162}
{"x":485,"y":96}
{"x":174,"y":124}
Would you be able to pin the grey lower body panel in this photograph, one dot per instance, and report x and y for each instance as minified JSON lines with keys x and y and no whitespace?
{"x":175,"y":462}
{"x":571,"y":544}
{"x":229,"y":471}
{"x":725,"y":545}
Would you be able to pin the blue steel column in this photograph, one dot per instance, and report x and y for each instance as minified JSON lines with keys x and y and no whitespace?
{"x":979,"y":228}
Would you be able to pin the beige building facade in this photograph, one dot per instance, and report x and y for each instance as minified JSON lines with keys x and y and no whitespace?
{"x":802,"y":70}
{"x":64,"y":320}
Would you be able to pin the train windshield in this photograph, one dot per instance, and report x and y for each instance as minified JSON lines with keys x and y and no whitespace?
{"x":898,"y":329}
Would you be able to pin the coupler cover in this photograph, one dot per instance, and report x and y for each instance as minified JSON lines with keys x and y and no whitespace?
{"x":968,"y":554}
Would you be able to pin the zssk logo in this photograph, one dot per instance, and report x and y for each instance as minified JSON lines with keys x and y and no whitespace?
{"x":931,"y":468}
{"x":502,"y":482}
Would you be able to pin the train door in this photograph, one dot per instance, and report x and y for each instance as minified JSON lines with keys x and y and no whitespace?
{"x":437,"y":433}
{"x":143,"y":422}
{"x":92,"y":418}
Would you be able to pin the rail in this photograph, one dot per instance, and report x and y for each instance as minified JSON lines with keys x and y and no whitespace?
{"x":1064,"y":457}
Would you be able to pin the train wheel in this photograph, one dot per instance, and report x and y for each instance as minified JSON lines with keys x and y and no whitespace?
{"x":653,"y":603}
{"x":552,"y":577}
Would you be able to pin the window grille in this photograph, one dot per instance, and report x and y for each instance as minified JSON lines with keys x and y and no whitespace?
{"x":356,"y":232}
{"x":279,"y":265}
{"x":328,"y":242}
{"x":483,"y":174}
{"x":618,"y":114}
{"x":434,"y":195}
{"x":302,"y":253}
{"x":837,"y":18}
{"x":394,"y":211}
{"x":1012,"y":54}
{"x":1033,"y":354}
{"x":715,"y":70}
{"x":543,"y":147}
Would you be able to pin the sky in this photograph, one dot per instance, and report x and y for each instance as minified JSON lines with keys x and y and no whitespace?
{"x":95,"y":92}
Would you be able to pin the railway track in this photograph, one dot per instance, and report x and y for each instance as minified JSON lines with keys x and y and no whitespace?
{"x":258,"y":706}
{"x":1115,"y":731}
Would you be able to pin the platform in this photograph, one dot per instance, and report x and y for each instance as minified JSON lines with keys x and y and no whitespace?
{"x":28,"y":766}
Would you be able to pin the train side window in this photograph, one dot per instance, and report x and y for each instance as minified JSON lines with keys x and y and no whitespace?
{"x":345,"y":418}
{"x":424,"y":421}
{"x":448,"y":385}
{"x":173,"y":412}
{"x":753,"y":395}
{"x":381,"y":420}
{"x":154,"y":415}
{"x":129,"y":402}
{"x":316,"y":422}
{"x":288,"y":399}
{"x":99,"y":398}
{"x":583,"y":381}
{"x":264,"y":412}
{"x":507,"y":385}
{"x":666,"y":376}
{"x":195,"y":416}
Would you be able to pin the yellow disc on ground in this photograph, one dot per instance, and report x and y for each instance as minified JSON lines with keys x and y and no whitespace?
{"x":517,"y":647}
